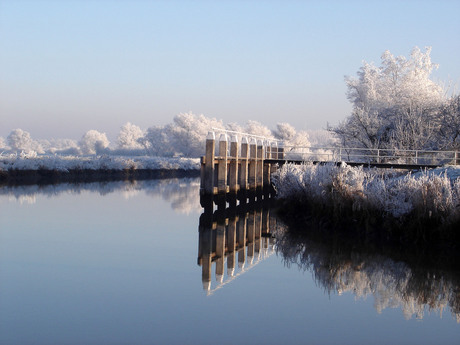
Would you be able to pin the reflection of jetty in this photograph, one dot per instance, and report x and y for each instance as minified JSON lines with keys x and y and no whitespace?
{"x":237,"y":234}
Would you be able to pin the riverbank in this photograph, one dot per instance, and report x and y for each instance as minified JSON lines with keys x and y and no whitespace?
{"x":417,"y":213}
{"x":72,"y":169}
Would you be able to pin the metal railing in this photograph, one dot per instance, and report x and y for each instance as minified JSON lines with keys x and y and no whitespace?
{"x":379,"y":156}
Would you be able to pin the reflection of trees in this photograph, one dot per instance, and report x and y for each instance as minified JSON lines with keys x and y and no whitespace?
{"x":181,"y":193}
{"x":339,"y":268}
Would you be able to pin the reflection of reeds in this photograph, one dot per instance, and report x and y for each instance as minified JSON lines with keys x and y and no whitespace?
{"x":339,"y":268}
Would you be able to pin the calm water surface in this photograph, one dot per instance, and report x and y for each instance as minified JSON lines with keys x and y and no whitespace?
{"x":131,"y":263}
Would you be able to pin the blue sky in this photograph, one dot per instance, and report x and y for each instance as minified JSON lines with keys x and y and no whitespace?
{"x":70,"y":66}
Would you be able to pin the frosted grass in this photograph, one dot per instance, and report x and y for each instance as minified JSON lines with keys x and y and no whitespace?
{"x":433,"y":193}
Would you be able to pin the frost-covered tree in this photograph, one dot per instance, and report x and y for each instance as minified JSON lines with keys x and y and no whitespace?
{"x":184,"y":137}
{"x":2,"y":143}
{"x":449,"y":125}
{"x":93,"y":142}
{"x":129,"y":136}
{"x":20,"y":140}
{"x":394,"y":105}
{"x":60,"y":146}
{"x":156,"y":142}
{"x":256,"y":128}
{"x":291,"y":137}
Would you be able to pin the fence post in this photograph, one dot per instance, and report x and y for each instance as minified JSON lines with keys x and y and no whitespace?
{"x":222,"y":168}
{"x":252,"y":164}
{"x":208,"y":176}
{"x":244,"y":164}
{"x":260,"y":164}
{"x":233,"y":173}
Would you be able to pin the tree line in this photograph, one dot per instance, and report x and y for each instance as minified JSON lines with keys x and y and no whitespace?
{"x":395,"y":106}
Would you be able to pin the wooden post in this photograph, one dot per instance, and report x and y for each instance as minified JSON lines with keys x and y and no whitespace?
{"x":222,"y":168}
{"x":233,"y":183}
{"x":260,"y":165}
{"x":252,"y":164}
{"x":208,"y":175}
{"x":244,"y":164}
{"x":267,"y":170}
{"x":274,"y":156}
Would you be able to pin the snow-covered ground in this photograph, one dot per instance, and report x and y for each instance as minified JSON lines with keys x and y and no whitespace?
{"x":66,"y":163}
{"x":433,"y":193}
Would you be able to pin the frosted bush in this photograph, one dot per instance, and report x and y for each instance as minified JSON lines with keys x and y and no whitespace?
{"x":431,"y":195}
{"x":93,"y":142}
{"x":20,"y":140}
{"x":129,"y":136}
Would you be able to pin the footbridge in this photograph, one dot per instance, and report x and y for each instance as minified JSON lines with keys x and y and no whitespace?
{"x":240,"y":165}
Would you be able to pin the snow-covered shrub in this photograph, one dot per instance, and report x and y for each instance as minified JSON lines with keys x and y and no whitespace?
{"x":129,"y":136}
{"x":20,"y":140}
{"x":94,"y":142}
{"x":428,"y":195}
{"x":60,"y":146}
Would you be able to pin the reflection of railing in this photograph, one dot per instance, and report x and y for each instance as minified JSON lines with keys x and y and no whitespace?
{"x":234,"y":235}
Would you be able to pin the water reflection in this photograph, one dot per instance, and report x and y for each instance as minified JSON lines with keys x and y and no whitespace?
{"x":239,"y":238}
{"x":338,"y":268}
{"x":181,"y":193}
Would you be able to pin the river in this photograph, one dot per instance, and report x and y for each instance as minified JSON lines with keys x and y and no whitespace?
{"x":138,"y":263}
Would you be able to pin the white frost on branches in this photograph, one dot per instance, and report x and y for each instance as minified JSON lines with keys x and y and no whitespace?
{"x":93,"y":142}
{"x":396,"y":105}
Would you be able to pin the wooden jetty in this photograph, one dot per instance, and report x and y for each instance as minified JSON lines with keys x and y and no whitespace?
{"x":241,"y":168}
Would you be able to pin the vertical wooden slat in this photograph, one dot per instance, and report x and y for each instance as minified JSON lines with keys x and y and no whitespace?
{"x":222,"y":168}
{"x":233,"y":183}
{"x":208,"y":174}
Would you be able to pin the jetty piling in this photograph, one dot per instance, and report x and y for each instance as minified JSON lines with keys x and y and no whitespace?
{"x":241,"y":169}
